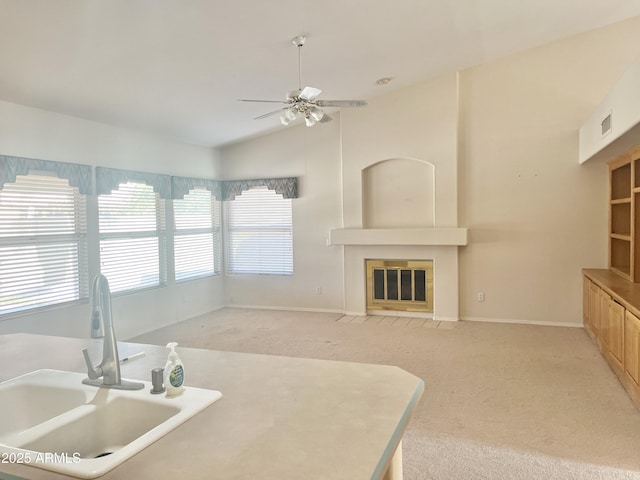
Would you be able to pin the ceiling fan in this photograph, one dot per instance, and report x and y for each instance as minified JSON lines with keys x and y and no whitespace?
{"x":304,"y":102}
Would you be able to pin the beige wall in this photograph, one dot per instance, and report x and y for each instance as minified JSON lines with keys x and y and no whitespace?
{"x":535,"y":216}
{"x":33,"y":133}
{"x":312,"y":155}
{"x":417,"y":123}
{"x":504,"y":140}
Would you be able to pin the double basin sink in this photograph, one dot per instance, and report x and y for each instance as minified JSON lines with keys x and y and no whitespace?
{"x":52,"y":420}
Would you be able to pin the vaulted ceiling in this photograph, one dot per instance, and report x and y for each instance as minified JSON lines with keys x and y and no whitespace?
{"x":177,"y":67}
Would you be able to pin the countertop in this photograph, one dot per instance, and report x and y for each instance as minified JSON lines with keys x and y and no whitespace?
{"x":626,"y":292}
{"x":280,"y":418}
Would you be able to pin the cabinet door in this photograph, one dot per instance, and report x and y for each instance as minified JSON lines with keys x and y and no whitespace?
{"x":586,"y":285}
{"x":603,"y":330}
{"x":594,"y":307}
{"x":632,"y":346}
{"x":616,"y":330}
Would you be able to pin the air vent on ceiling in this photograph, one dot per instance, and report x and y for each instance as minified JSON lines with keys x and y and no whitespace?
{"x":606,"y":125}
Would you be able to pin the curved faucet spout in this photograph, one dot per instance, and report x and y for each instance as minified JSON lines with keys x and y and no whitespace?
{"x":102,"y":326}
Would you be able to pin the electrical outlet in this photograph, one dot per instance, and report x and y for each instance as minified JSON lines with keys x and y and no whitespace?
{"x":318,"y":290}
{"x":481,"y":296}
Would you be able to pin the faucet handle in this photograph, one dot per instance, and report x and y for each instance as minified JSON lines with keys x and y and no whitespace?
{"x":93,"y":373}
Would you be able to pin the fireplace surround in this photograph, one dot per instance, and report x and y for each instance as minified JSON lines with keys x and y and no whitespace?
{"x":403,"y":209}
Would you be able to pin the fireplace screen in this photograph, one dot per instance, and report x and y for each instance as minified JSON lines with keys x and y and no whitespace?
{"x":403,"y":285}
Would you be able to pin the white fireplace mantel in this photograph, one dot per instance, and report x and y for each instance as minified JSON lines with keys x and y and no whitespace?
{"x":399,"y":236}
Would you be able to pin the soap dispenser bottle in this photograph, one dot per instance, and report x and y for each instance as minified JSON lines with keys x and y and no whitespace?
{"x":173,"y":372}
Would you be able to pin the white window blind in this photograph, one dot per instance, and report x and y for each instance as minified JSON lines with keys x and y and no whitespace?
{"x":196,"y":235}
{"x":259,"y":238}
{"x":43,"y":250}
{"x":132,"y":244}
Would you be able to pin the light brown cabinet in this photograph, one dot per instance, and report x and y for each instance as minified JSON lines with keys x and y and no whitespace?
{"x":632,"y":348}
{"x":612,"y":320}
{"x":615,"y":332}
{"x":611,"y":303}
{"x":594,"y":309}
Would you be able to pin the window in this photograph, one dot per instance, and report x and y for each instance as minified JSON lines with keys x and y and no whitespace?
{"x":197,"y":235}
{"x":132,"y":242}
{"x":259,"y":237}
{"x":43,"y":251}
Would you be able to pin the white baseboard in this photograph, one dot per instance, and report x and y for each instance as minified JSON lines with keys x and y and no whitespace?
{"x":521,"y":322}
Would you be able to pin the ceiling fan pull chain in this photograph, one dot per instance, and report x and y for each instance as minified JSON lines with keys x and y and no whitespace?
{"x":299,"y":67}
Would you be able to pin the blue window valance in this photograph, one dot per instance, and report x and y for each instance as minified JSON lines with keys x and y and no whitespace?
{"x":287,"y":187}
{"x":78,"y":175}
{"x":180,"y":186}
{"x":109,"y":179}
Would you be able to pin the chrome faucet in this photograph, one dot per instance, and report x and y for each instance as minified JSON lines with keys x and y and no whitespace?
{"x":102,"y":326}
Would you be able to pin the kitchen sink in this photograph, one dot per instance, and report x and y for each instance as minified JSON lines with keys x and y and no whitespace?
{"x":51,"y":420}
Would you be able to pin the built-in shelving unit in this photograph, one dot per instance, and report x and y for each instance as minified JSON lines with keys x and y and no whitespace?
{"x":624,"y":214}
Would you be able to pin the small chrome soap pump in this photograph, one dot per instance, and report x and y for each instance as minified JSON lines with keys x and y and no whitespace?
{"x":157,"y":381}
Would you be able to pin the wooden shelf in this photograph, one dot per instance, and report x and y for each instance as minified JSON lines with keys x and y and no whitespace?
{"x":620,"y":176}
{"x":624,"y":238}
{"x":624,"y":215}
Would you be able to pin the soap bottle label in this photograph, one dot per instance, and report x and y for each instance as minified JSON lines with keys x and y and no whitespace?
{"x":176,"y":377}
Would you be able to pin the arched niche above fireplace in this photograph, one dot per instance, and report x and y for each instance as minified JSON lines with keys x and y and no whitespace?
{"x":398,"y":193}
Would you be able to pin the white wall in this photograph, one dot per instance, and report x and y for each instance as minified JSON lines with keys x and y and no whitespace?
{"x":535,"y":216}
{"x":34,"y":133}
{"x":419,"y":123}
{"x":312,"y":155}
{"x":505,"y":146}
{"x":416,"y":123}
{"x":506,"y":168}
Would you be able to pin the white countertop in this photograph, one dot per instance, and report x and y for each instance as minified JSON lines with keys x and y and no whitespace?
{"x":281,"y":418}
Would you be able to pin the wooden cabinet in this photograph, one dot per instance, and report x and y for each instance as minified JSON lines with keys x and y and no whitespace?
{"x":612,"y":319}
{"x":603,"y":326}
{"x":586,"y":287}
{"x":615,"y":332}
{"x":632,"y":348}
{"x":594,"y":309}
{"x":624,"y":214}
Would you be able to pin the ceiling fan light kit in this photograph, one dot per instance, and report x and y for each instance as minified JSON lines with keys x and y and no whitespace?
{"x":303,"y":102}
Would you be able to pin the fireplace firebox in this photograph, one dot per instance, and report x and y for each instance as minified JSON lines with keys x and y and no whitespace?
{"x":400,"y":285}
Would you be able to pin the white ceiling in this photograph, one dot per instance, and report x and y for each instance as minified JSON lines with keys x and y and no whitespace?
{"x":177,"y":67}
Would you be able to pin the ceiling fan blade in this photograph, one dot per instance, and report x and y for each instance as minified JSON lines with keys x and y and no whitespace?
{"x":262,"y":101}
{"x":309,"y":93}
{"x":341,"y":103}
{"x":275,"y":112}
{"x":325,"y":118}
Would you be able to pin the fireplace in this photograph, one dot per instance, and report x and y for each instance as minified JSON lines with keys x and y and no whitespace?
{"x":400,"y":285}
{"x":401,"y":209}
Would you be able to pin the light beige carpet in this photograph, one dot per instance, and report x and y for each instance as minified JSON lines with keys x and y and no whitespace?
{"x":501,"y":401}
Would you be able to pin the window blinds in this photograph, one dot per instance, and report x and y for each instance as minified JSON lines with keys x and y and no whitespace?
{"x":43,"y":250}
{"x":196,"y":235}
{"x":131,"y":224}
{"x":259,"y":236}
